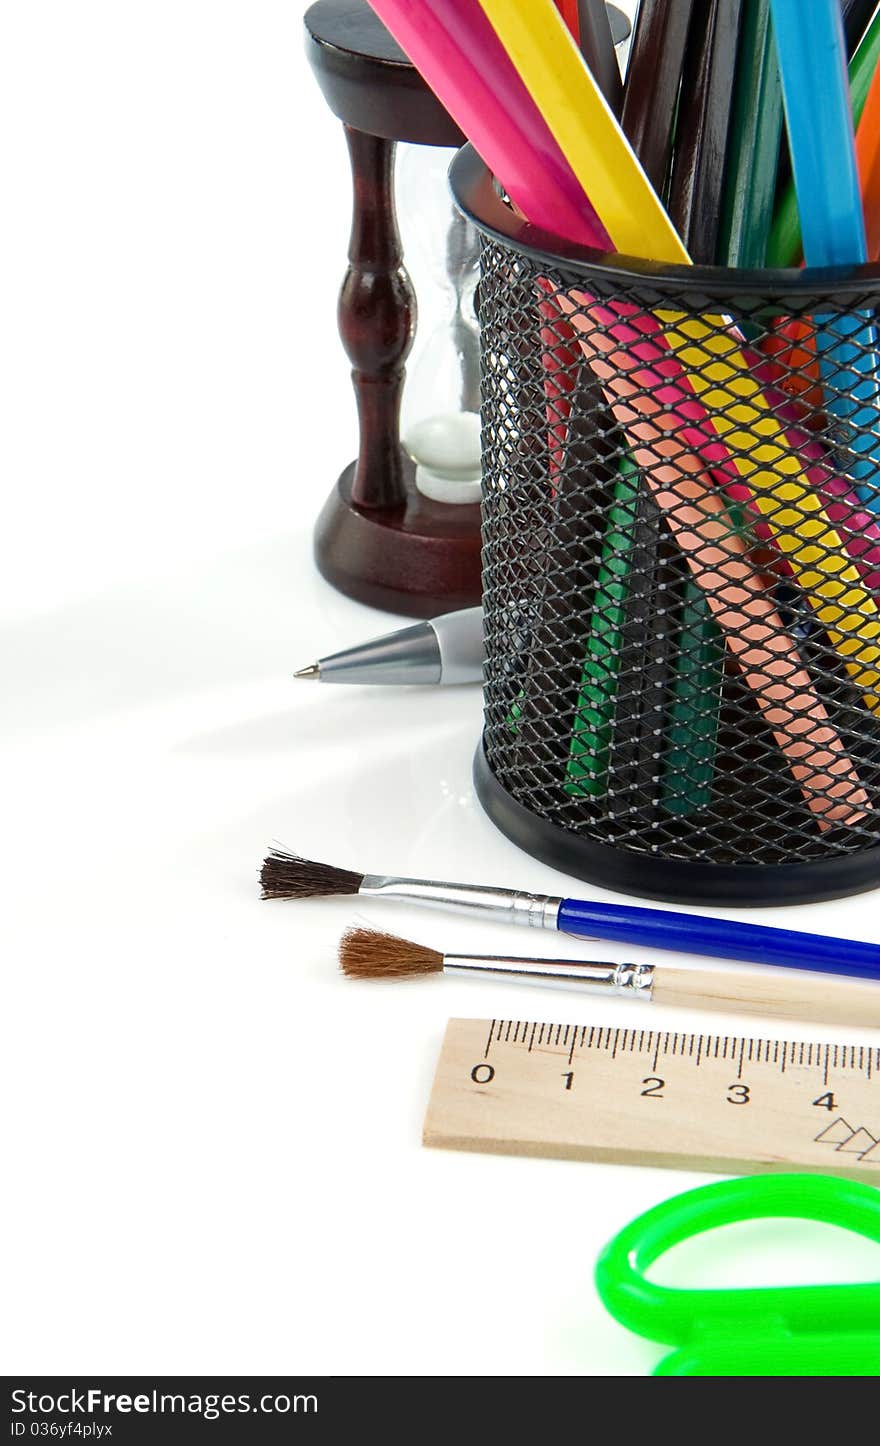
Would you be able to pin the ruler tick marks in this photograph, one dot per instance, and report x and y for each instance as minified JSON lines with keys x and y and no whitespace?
{"x":695,"y":1127}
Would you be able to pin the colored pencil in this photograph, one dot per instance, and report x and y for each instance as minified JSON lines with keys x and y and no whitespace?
{"x":812,"y":62}
{"x":597,"y":47}
{"x":702,"y":130}
{"x":784,"y":244}
{"x":755,"y":136}
{"x":745,"y":611}
{"x":455,"y":48}
{"x":868,"y":159}
{"x":653,"y":79}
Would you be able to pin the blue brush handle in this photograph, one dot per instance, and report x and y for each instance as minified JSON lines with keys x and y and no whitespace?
{"x":718,"y":938}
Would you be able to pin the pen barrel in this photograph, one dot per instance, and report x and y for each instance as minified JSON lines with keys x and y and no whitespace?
{"x":793,"y":995}
{"x":630,"y":980}
{"x":719,"y":938}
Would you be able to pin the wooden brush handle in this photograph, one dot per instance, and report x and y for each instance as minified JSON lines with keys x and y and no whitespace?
{"x":795,"y":995}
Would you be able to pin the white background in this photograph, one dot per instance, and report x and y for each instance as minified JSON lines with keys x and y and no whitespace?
{"x":212,"y":1140}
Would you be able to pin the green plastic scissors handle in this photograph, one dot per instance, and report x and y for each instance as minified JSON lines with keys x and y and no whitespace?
{"x":805,"y":1330}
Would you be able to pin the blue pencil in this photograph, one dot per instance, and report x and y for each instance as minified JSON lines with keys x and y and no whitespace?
{"x":812,"y":62}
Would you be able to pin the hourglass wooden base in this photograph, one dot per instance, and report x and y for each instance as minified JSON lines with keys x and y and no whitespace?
{"x":419,"y":559}
{"x":378,"y":539}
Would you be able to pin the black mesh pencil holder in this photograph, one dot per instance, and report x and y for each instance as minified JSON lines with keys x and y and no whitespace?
{"x":681,"y":567}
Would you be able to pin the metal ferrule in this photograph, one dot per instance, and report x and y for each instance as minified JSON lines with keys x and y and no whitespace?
{"x":538,"y":911}
{"x":635,"y":981}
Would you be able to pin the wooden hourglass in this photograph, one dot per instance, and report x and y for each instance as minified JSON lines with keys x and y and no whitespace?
{"x":379,"y":537}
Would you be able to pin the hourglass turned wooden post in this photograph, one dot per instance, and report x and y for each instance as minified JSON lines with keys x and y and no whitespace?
{"x":376,"y":322}
{"x":378,"y":539}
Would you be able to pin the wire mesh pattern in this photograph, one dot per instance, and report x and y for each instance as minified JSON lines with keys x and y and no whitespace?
{"x":681,"y":566}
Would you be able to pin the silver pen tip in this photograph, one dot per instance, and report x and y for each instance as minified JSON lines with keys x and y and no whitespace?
{"x":312,"y":671}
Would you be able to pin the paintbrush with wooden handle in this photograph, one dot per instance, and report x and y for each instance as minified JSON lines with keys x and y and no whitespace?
{"x":368,"y":954}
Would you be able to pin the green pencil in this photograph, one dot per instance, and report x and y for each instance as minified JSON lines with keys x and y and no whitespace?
{"x":755,"y":135}
{"x":590,"y":747}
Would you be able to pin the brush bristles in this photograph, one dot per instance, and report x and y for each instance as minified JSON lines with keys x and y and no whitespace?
{"x":287,"y":876}
{"x":367,"y":954}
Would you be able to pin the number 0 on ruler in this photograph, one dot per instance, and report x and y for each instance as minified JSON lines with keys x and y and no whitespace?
{"x":640,"y":1096}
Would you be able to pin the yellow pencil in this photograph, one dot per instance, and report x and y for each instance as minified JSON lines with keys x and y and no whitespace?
{"x":760,"y":451}
{"x":540,"y":46}
{"x":584,"y":127}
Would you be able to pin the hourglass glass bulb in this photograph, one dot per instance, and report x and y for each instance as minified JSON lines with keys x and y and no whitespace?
{"x":441,"y":422}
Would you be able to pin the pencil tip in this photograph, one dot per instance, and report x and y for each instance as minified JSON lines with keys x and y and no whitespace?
{"x":312,"y":671}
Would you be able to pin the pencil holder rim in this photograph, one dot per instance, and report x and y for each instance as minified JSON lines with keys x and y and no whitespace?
{"x":474,"y":192}
{"x":669,"y":880}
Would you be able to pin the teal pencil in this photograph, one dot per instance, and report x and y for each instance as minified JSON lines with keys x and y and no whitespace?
{"x":691,"y":732}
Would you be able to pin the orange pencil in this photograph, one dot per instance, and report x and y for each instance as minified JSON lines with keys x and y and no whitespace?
{"x":868,"y":160}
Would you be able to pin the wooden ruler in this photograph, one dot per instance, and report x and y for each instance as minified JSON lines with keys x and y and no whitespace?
{"x":651,"y":1097}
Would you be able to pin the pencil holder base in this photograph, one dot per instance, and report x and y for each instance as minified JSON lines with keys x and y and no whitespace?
{"x":673,"y":881}
{"x":420,"y":559}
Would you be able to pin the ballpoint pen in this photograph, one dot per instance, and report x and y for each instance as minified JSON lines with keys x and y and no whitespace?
{"x":448,"y":649}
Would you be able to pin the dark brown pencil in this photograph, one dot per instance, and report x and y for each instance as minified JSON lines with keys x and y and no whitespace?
{"x":653,"y":77}
{"x":597,"y":48}
{"x":703,"y":127}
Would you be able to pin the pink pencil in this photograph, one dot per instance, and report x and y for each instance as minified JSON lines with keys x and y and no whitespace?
{"x":457,"y":51}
